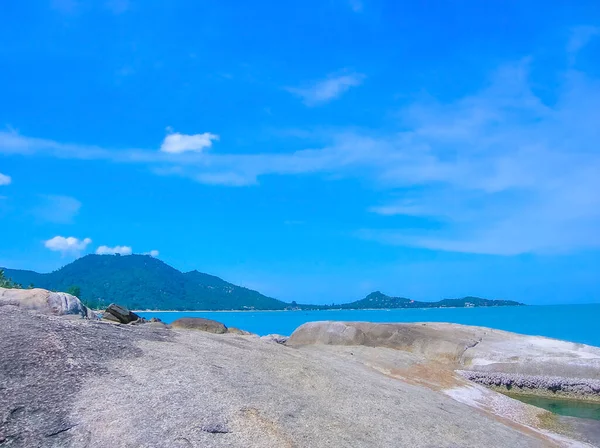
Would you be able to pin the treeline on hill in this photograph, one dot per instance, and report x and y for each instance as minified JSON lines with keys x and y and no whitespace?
{"x":6,"y":282}
{"x":142,"y":282}
{"x":378,"y":300}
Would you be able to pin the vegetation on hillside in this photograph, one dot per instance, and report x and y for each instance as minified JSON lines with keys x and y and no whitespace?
{"x":6,"y":282}
{"x":378,"y":300}
{"x":143,"y":282}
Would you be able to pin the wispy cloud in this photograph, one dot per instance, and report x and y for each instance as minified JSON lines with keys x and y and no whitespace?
{"x":67,"y":245}
{"x":4,"y":179}
{"x":326,"y":90}
{"x":356,"y":5}
{"x":500,"y":170}
{"x":65,"y":6}
{"x":580,"y":36}
{"x":57,"y":209}
{"x":153,"y":253}
{"x":118,"y":6}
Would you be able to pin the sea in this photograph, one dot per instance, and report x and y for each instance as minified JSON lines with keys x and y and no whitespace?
{"x":575,"y":323}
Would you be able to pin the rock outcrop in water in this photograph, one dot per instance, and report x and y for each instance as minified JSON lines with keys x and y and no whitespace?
{"x":179,"y":388}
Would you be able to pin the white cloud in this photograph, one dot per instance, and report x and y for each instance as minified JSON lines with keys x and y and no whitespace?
{"x":67,"y":245}
{"x":4,"y":179}
{"x":326,"y":90}
{"x":498,"y":171}
{"x":57,"y":209}
{"x":121,"y":250}
{"x":153,"y":253}
{"x":176,"y":143}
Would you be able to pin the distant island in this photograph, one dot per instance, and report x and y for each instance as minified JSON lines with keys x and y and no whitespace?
{"x":142,"y":282}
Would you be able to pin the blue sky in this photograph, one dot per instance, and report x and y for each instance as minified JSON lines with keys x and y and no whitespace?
{"x":315,"y":151}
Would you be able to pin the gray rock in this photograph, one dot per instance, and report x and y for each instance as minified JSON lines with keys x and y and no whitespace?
{"x":197,"y":389}
{"x":47,"y":302}
{"x":461,"y":346}
{"x":234,"y":330}
{"x":277,"y":338}
{"x":199,"y":323}
{"x":117,"y":313}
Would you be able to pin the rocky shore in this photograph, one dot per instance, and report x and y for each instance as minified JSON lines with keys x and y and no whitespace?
{"x":68,"y":381}
{"x":553,"y":386}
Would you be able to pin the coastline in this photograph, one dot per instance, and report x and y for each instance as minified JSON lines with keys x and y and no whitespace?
{"x":330,"y":309}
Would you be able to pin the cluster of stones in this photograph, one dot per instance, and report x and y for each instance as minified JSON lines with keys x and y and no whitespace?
{"x":569,"y":386}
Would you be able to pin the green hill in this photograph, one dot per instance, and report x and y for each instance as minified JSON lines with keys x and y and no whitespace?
{"x":144,"y":282}
{"x":378,"y":300}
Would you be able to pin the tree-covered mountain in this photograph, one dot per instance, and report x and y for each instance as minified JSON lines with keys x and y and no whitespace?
{"x":144,"y":282}
{"x":378,"y":300}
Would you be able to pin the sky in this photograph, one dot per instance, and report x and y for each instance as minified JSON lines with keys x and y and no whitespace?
{"x":315,"y":151}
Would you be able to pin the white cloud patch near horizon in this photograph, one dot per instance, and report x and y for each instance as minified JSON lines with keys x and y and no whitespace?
{"x":500,"y":171}
{"x":121,"y":250}
{"x":67,"y":245}
{"x":4,"y":179}
{"x":326,"y":90}
{"x":176,"y":143}
{"x":153,"y":253}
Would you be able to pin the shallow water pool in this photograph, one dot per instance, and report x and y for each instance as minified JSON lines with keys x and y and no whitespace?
{"x":560,"y":406}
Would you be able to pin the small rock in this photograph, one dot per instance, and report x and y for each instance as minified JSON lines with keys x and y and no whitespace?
{"x":116,"y":313}
{"x":234,"y":330}
{"x":277,"y":338}
{"x":199,"y":323}
{"x":215,"y":428}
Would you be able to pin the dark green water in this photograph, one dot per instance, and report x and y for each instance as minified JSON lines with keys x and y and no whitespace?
{"x":571,"y":408}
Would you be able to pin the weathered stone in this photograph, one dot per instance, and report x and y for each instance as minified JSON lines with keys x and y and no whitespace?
{"x":197,"y":389}
{"x":277,"y":338}
{"x":234,"y":330}
{"x":46,"y":302}
{"x":199,"y":323}
{"x":117,"y":313}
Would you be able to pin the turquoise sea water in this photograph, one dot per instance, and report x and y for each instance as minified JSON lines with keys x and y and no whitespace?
{"x":577,"y":323}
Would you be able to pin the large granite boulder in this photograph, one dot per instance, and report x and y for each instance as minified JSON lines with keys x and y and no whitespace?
{"x":46,"y":302}
{"x":443,"y":344}
{"x":199,"y":323}
{"x":529,"y":364}
{"x":120,"y":314}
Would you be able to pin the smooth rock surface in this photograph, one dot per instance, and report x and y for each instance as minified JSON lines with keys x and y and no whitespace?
{"x":44,"y":301}
{"x":470,"y":348}
{"x":66,"y":383}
